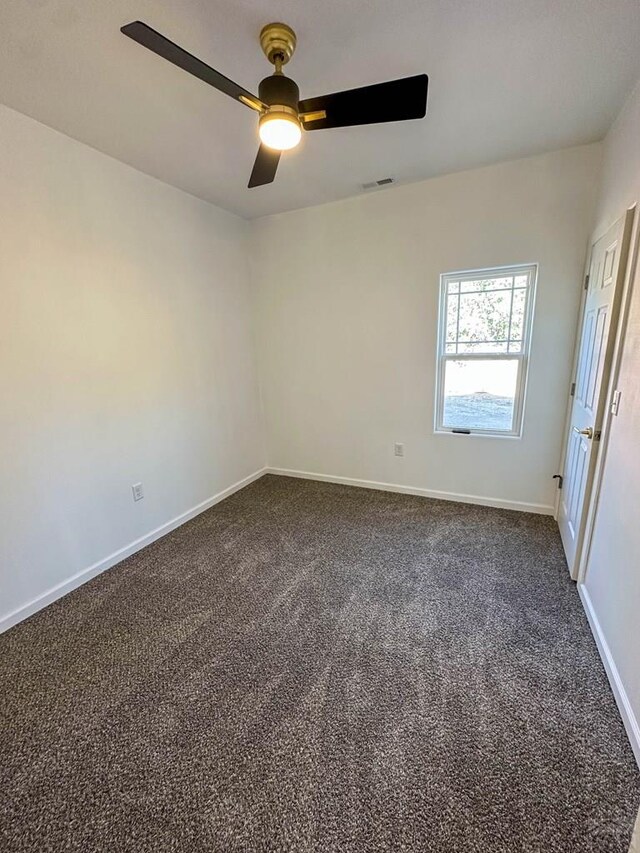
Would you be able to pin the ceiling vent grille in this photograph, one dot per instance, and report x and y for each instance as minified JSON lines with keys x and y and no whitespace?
{"x":383,"y":182}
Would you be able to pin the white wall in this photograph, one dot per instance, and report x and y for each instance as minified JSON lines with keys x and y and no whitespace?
{"x":612,"y":582}
{"x":125,"y":355}
{"x":346,"y":313}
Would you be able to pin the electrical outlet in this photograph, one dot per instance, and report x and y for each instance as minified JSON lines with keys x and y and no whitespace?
{"x":138,"y":494}
{"x":398,"y":449}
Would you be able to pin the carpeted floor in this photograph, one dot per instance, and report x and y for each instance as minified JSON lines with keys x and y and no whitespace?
{"x":311,"y":667}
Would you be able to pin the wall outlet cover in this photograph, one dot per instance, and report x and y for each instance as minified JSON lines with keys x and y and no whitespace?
{"x":138,"y":493}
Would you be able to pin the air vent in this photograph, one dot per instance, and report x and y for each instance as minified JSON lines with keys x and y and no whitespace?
{"x":381,"y":183}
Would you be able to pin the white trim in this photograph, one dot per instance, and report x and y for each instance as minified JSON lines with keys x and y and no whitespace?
{"x":520,"y":506}
{"x":624,"y":705}
{"x":635,"y":838}
{"x":83,"y":576}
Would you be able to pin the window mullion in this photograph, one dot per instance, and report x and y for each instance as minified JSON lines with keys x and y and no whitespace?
{"x":513,"y":281}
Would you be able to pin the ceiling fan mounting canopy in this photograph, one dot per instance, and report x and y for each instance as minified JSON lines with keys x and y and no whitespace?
{"x":278,"y":41}
{"x":283,"y":115}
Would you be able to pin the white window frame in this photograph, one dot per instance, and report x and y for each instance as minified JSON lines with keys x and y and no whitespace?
{"x":531,"y":271}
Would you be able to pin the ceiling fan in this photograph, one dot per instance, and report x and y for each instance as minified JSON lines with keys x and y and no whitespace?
{"x":283,"y":115}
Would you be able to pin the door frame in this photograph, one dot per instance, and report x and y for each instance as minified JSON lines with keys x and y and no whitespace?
{"x":633,"y":223}
{"x":630,"y":238}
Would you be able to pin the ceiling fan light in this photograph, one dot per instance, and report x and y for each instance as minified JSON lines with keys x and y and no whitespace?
{"x":280,"y":130}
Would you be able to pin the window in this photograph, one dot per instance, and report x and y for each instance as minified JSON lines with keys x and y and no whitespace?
{"x":483,"y":349}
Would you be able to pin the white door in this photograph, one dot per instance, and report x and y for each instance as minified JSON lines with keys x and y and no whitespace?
{"x":595,"y":349}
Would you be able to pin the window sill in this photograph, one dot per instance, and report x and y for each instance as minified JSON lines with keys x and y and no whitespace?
{"x":473,"y":434}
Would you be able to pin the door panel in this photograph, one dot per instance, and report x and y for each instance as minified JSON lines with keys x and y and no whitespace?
{"x":609,"y":265}
{"x":594,"y":370}
{"x":574,"y":479}
{"x":595,"y":348}
{"x":585,"y":356}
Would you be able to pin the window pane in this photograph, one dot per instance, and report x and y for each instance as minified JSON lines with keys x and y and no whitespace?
{"x":484,"y":316}
{"x":480,"y":394}
{"x":454,"y":286}
{"x":452,"y":318}
{"x":517,"y":317}
{"x":503,"y":283}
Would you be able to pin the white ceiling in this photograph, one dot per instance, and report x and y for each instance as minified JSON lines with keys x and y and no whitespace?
{"x":508,"y":78}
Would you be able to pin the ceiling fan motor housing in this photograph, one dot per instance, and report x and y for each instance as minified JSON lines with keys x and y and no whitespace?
{"x":279,"y":122}
{"x":278,"y":90}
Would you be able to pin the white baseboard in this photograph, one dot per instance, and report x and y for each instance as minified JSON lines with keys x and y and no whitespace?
{"x":83,"y":576}
{"x":635,"y":840}
{"x":521,"y":506}
{"x":624,"y":705}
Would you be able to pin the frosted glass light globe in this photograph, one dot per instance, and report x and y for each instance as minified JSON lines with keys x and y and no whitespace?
{"x":279,"y":132}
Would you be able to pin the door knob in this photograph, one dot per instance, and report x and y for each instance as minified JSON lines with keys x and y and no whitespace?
{"x":588,"y":431}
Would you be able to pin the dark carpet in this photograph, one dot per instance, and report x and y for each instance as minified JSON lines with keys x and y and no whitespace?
{"x":311,"y":667}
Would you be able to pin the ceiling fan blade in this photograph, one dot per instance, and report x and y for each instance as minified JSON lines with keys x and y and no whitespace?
{"x":396,"y":100}
{"x":264,"y":169}
{"x":149,"y":38}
